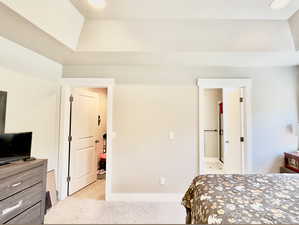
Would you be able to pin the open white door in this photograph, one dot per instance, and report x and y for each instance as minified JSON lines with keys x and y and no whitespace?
{"x":233,"y":126}
{"x":83,"y":160}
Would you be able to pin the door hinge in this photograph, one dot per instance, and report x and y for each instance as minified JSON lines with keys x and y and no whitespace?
{"x":70,"y":138}
{"x":68,"y":179}
{"x":242,"y":139}
{"x":71,"y":98}
{"x":241,"y":99}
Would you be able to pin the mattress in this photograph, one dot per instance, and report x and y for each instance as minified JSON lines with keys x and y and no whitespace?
{"x":243,"y":199}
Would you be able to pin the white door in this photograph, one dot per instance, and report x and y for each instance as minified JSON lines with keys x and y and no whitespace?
{"x":233,"y":130}
{"x":83,"y":158}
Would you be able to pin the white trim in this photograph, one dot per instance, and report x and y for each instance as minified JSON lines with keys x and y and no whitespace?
{"x":67,"y":84}
{"x":227,"y":83}
{"x":88,"y":82}
{"x":146,"y":197}
{"x":219,"y":125}
{"x":212,"y":159}
{"x":224,"y":83}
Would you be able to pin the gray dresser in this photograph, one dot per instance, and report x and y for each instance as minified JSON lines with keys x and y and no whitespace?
{"x":23,"y":192}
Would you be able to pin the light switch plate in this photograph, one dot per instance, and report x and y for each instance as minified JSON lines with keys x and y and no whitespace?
{"x":171,"y":135}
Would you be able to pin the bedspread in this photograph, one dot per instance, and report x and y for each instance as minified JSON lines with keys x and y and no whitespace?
{"x":239,"y":199}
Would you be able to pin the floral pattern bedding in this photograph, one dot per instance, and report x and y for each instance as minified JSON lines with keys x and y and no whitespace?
{"x":243,"y":199}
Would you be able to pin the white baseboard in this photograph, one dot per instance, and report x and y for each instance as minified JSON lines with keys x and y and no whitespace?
{"x":145,"y":197}
{"x":211,"y":159}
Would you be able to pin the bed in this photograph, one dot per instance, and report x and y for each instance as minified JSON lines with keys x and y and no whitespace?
{"x":243,"y":199}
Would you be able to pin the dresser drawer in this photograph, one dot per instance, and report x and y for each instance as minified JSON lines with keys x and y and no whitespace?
{"x":16,"y":204}
{"x":18,"y":182}
{"x":30,"y":216}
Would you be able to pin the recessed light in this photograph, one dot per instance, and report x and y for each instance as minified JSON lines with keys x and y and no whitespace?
{"x":279,"y":4}
{"x":99,"y":4}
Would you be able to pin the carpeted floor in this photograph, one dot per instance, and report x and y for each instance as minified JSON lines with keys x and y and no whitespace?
{"x":87,"y":206}
{"x":89,"y":211}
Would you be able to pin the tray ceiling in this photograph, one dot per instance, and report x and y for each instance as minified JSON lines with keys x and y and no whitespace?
{"x":187,"y":9}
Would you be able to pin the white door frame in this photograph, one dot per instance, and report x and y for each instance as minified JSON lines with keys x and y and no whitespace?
{"x":67,"y":84}
{"x":226,"y":83}
{"x":219,"y":125}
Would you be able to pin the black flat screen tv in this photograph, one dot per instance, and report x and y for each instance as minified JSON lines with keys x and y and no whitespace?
{"x":15,"y":147}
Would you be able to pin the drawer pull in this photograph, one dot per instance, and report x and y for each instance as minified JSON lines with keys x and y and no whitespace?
{"x":8,"y":210}
{"x":16,"y":184}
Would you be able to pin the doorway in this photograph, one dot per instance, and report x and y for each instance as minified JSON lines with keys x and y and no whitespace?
{"x":85,"y":139}
{"x":224,"y":126}
{"x":87,"y":148}
{"x":214,"y":159}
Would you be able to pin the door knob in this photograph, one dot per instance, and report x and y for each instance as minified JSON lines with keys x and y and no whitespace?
{"x":97,"y":141}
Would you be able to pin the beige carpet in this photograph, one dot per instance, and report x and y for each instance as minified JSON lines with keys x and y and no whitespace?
{"x":88,"y":211}
{"x":87,"y":207}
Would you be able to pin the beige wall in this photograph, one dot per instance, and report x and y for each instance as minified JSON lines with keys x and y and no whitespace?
{"x":142,"y":151}
{"x":151,"y":101}
{"x":33,"y":105}
{"x":33,"y":98}
{"x":212,"y":98}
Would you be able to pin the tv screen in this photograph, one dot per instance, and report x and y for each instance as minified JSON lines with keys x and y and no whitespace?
{"x":15,"y":147}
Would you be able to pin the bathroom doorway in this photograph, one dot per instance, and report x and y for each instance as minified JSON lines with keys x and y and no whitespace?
{"x":224,"y":126}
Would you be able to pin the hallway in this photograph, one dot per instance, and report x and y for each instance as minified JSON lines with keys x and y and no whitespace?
{"x":94,"y":191}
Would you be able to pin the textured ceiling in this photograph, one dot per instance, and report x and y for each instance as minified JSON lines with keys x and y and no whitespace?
{"x":187,"y":9}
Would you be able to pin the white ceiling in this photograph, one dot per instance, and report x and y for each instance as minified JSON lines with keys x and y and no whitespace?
{"x":64,"y":23}
{"x":187,"y":9}
{"x":186,"y":36}
{"x":25,"y":32}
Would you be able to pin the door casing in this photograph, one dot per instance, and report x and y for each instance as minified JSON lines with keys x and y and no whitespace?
{"x":66,"y":85}
{"x":246,"y":84}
